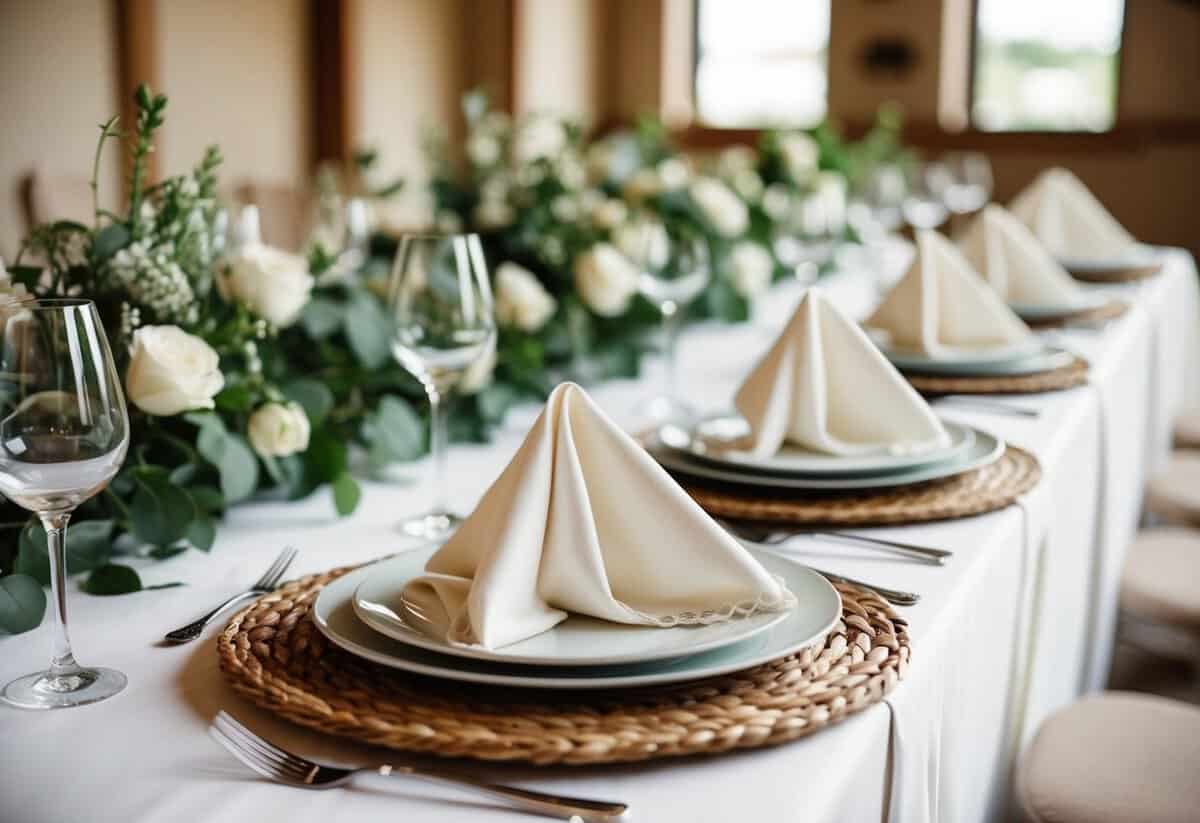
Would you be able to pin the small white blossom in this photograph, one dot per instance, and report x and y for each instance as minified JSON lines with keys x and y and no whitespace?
{"x":800,"y":155}
{"x":723,"y":209}
{"x":483,"y":149}
{"x":494,"y":214}
{"x":751,"y":267}
{"x":605,"y":279}
{"x":564,"y":208}
{"x":609,"y":213}
{"x":539,"y":137}
{"x":645,"y":242}
{"x":776,"y":201}
{"x":447,"y":222}
{"x":673,"y":173}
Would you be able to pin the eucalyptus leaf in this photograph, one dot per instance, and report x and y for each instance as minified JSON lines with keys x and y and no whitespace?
{"x":22,"y":603}
{"x":113,"y":579}
{"x":201,"y":533}
{"x":346,"y":494}
{"x":321,"y":317}
{"x":325,"y":457}
{"x":207,"y":498}
{"x":108,"y":241}
{"x":312,"y":395}
{"x":233,"y":458}
{"x":394,"y":432}
{"x":368,"y":329}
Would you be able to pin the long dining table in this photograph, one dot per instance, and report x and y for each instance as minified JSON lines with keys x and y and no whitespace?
{"x":1018,"y":624}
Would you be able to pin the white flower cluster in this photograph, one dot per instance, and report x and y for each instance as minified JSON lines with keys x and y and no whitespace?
{"x":12,"y":295}
{"x":521,"y":301}
{"x":153,"y":279}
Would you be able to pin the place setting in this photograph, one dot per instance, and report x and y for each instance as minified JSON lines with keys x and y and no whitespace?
{"x":554,"y":625}
{"x":949,"y":332}
{"x":1080,"y":233}
{"x":807,"y":444}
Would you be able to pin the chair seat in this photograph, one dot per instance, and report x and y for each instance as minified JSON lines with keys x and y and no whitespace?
{"x":1187,"y":430}
{"x":1114,"y":758}
{"x":1161,"y":581}
{"x":1174,"y":494}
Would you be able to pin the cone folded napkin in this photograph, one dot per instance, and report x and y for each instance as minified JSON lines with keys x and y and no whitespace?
{"x":1068,"y":219}
{"x":824,"y":386}
{"x":583,"y":520}
{"x":942,"y":304}
{"x":1015,"y":263}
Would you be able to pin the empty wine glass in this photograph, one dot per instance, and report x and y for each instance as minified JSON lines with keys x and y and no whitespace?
{"x":441,"y":302}
{"x":804,"y":240}
{"x":63,"y":435}
{"x":924,"y":205}
{"x":674,"y":269}
{"x":969,"y":186}
{"x":883,"y":193}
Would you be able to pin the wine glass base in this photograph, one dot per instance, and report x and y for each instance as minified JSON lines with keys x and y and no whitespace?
{"x":44,"y":691}
{"x":665,"y":409}
{"x":432,"y":526}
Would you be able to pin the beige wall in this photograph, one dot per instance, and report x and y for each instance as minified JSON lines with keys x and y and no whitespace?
{"x":410,"y":71}
{"x":560,"y":62}
{"x":237,"y":75}
{"x":57,"y":82}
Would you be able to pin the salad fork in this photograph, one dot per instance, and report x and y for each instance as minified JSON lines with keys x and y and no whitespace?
{"x":283,"y":766}
{"x":265,"y":584}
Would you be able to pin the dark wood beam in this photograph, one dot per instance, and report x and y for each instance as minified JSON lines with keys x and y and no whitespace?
{"x":331,"y":80}
{"x":137,"y":62}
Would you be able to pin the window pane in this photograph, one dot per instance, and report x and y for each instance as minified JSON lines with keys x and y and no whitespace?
{"x":1047,"y":65}
{"x":762,"y":62}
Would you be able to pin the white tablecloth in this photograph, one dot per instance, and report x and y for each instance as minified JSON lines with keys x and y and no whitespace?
{"x":1017,"y":625}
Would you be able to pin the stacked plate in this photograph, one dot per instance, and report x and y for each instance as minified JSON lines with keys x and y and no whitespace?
{"x":709,"y":451}
{"x":1136,"y":259}
{"x":367,"y":614}
{"x":1029,"y":357}
{"x":1083,"y":303}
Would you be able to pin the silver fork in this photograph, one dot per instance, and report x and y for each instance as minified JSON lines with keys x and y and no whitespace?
{"x":774,"y":537}
{"x":893,"y":596}
{"x":266,"y":583}
{"x":282,"y":766}
{"x":983,"y":404}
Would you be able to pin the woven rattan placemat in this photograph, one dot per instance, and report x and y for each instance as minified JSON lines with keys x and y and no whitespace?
{"x":1087,"y":317}
{"x":1127,"y":275}
{"x":1064,"y":377}
{"x":273,"y":654}
{"x":983,"y":490}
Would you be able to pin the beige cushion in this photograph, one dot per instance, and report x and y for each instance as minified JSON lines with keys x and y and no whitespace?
{"x":1187,"y":430}
{"x":1161,"y":581}
{"x":1175,"y":493}
{"x":1114,"y":758}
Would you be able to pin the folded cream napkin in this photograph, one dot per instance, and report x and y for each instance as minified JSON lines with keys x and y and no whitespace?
{"x":1014,"y":262}
{"x":1068,"y":218}
{"x":942,"y":304}
{"x":825,"y":386}
{"x":583,"y":520}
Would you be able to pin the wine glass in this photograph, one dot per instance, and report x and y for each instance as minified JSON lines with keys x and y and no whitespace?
{"x":969,"y":186}
{"x":805,"y":239}
{"x":924,"y":204}
{"x":441,"y":302}
{"x":63,"y":435}
{"x":673,"y":269}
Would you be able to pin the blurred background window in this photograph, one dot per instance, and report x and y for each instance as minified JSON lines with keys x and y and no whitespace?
{"x":1046,"y":65}
{"x":762,"y":62}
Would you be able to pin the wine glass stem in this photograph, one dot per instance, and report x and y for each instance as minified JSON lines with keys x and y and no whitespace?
{"x":63,"y":663}
{"x":437,"y":448}
{"x":670,"y":330}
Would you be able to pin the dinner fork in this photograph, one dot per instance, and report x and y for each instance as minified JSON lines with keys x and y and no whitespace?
{"x":265,"y":584}
{"x":282,"y":766}
{"x":774,"y":537}
{"x":893,"y":596}
{"x":984,"y":404}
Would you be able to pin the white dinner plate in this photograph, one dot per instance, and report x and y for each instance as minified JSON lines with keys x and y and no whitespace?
{"x":710,"y":439}
{"x":1084,"y":301}
{"x":1135,"y":257}
{"x":379,"y":602}
{"x":985,"y":450}
{"x":960,"y":355}
{"x":1045,"y":358}
{"x":819,"y":608}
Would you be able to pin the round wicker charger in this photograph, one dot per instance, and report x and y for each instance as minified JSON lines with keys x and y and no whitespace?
{"x":983,"y":490}
{"x":1087,"y":317}
{"x":273,"y":654}
{"x":1064,"y":377}
{"x":1128,"y":275}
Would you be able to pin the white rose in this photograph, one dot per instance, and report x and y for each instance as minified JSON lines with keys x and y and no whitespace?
{"x":605,"y":279}
{"x":644,"y":241}
{"x":479,"y":374}
{"x":538,"y":137}
{"x":737,"y":159}
{"x":278,"y":429}
{"x":273,"y":284}
{"x":571,"y":172}
{"x":12,"y":295}
{"x":171,"y":371}
{"x":750,"y":268}
{"x":609,"y":213}
{"x":748,"y":184}
{"x":673,"y":173}
{"x":494,"y":214}
{"x":723,"y":209}
{"x":521,"y":301}
{"x":483,"y":149}
{"x":776,"y":201}
{"x":800,"y":155}
{"x":565,"y":208}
